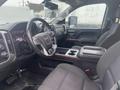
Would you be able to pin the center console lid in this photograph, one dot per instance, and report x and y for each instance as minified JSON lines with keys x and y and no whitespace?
{"x":91,"y":51}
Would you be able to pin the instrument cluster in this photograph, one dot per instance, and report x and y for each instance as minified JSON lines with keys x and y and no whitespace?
{"x":21,"y":42}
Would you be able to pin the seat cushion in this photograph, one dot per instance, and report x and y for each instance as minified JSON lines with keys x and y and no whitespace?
{"x":68,"y":77}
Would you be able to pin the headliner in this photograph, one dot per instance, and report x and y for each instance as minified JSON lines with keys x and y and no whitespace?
{"x":76,"y":3}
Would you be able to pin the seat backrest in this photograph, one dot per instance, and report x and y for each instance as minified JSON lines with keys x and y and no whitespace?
{"x":108,"y":67}
{"x":111,"y":36}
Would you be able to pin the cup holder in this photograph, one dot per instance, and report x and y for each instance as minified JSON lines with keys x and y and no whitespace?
{"x":72,"y":52}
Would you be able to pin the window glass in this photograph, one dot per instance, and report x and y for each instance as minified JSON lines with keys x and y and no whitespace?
{"x":24,"y":10}
{"x":89,"y":16}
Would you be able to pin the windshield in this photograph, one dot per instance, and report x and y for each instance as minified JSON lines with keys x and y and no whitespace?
{"x":24,"y":10}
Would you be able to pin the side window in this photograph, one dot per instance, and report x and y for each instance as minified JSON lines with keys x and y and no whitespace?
{"x":89,"y":16}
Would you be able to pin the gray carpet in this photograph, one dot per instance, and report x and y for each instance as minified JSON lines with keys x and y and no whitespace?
{"x":28,"y":81}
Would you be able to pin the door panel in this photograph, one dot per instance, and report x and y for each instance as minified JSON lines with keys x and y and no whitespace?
{"x":85,"y":24}
{"x":84,"y":36}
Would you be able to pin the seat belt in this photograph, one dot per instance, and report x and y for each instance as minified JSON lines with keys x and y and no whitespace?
{"x":116,"y":86}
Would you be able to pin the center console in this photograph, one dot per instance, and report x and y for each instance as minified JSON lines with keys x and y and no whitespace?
{"x":66,"y":54}
{"x":86,"y":53}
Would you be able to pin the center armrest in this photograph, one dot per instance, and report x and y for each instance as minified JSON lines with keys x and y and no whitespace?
{"x":91,"y":51}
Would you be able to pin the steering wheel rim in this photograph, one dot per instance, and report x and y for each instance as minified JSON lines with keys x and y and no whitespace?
{"x":34,"y":42}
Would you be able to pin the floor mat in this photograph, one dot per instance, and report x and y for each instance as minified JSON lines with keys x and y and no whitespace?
{"x":28,"y":80}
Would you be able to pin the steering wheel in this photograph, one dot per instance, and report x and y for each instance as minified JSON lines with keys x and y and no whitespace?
{"x":43,"y":42}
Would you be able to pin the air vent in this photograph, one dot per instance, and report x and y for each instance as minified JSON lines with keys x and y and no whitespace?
{"x":7,"y":52}
{"x":3,"y":50}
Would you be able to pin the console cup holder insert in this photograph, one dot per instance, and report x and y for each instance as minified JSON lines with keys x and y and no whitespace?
{"x":72,"y":52}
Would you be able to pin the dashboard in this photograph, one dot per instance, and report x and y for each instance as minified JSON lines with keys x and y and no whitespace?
{"x":15,"y":45}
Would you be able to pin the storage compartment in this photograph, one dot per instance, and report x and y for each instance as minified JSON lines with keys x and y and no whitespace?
{"x":91,"y":51}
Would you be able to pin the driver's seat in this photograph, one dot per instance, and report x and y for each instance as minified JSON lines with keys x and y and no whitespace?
{"x":69,"y":77}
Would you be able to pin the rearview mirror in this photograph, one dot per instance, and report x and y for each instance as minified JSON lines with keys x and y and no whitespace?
{"x":35,"y":7}
{"x":51,"y":6}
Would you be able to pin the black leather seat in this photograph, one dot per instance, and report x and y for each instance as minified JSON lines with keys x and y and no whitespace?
{"x":69,"y":77}
{"x":111,"y":36}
